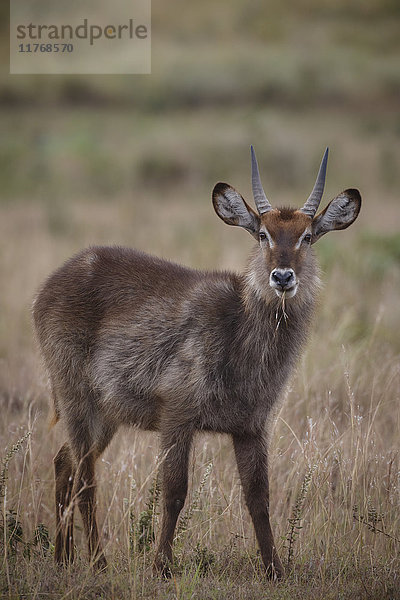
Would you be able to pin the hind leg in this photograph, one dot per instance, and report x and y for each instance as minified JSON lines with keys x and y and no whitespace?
{"x":64,"y":474}
{"x":84,"y":492}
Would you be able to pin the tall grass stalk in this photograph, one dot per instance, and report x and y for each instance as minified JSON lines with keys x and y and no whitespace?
{"x":11,"y":452}
{"x":297,"y":514}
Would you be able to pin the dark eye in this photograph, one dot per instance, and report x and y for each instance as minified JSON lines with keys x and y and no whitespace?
{"x":307,"y":238}
{"x":262,"y":235}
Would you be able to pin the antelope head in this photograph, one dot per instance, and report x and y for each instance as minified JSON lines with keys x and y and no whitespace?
{"x":285,"y":235}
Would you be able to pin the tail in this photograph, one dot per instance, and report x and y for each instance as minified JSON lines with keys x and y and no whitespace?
{"x":53,"y":419}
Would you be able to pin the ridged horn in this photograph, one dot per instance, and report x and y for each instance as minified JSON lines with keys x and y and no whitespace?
{"x":311,"y":206}
{"x":259,"y":196}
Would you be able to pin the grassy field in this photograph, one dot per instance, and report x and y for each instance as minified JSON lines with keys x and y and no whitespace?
{"x":133,"y":161}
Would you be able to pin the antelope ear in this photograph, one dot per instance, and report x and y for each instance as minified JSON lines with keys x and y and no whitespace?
{"x":341,"y":212}
{"x":234,"y":210}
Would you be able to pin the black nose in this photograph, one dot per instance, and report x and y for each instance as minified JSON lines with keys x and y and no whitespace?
{"x":283,"y":277}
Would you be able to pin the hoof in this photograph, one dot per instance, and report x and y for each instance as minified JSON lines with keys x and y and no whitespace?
{"x":162,"y":567}
{"x":274,"y":571}
{"x":99,"y":563}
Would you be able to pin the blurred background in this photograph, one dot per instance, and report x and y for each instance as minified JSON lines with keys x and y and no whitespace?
{"x":132,"y":160}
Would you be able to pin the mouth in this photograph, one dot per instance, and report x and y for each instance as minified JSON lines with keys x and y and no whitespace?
{"x":287,"y":292}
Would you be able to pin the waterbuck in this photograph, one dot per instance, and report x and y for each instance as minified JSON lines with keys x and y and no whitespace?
{"x":128,"y":338}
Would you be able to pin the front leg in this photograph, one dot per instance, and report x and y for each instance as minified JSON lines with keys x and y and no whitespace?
{"x":176,"y":443}
{"x":251,"y":453}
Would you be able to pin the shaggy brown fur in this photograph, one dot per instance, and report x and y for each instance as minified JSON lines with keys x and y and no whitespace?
{"x":128,"y":338}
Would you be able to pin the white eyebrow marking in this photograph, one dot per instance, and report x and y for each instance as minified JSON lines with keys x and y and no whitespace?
{"x":269,"y":237}
{"x":305,"y":232}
